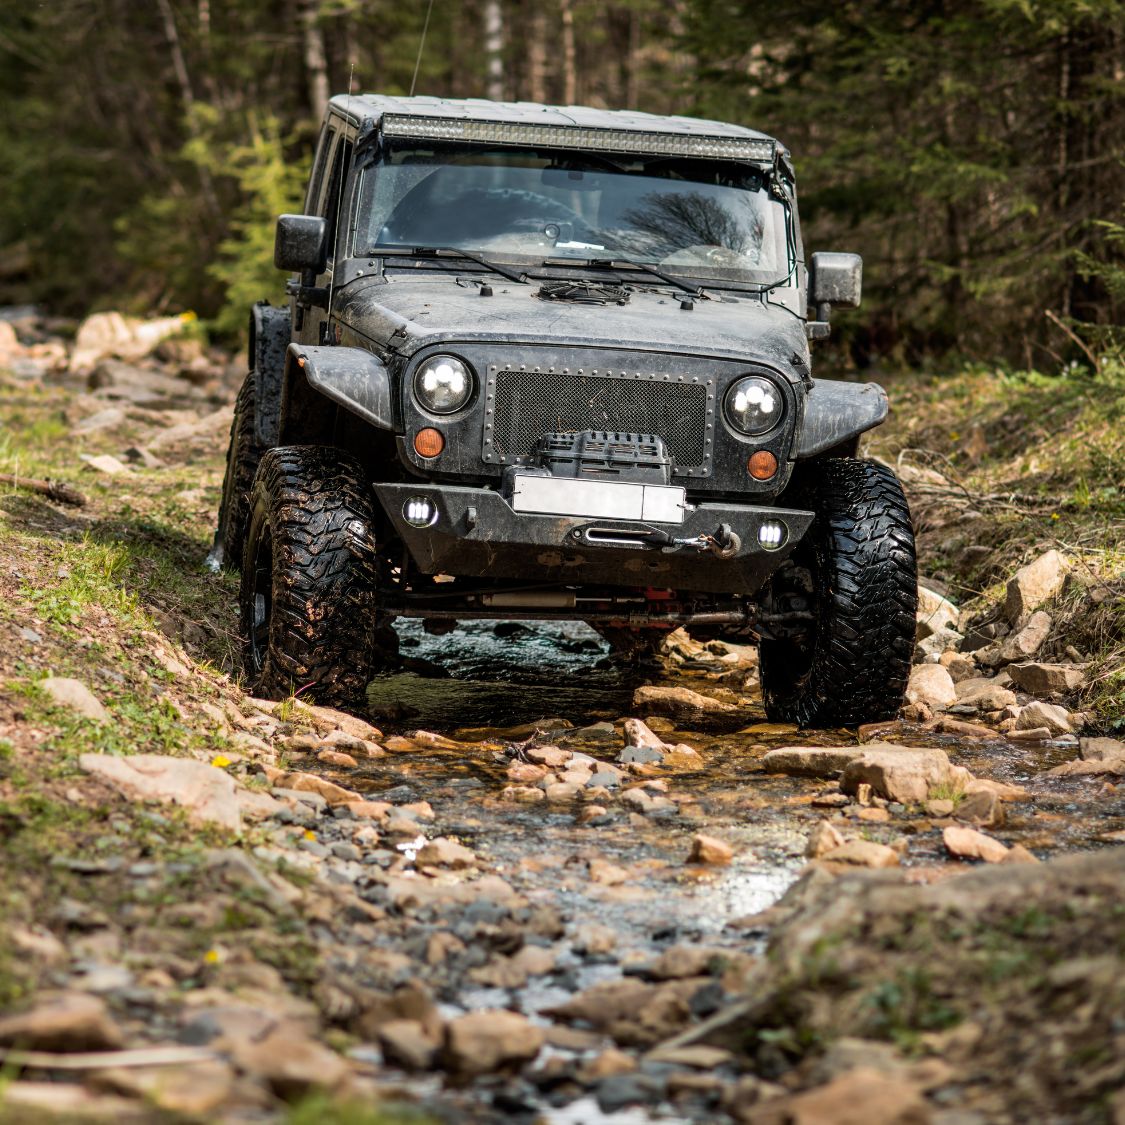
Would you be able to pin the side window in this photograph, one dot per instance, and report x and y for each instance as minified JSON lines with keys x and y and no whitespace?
{"x":327,"y":139}
{"x":330,"y":207}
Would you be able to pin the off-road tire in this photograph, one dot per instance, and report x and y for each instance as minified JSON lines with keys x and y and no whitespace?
{"x":853,"y":665}
{"x":243,"y":455}
{"x":309,"y":577}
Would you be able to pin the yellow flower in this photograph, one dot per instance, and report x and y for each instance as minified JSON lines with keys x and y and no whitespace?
{"x":1054,"y":515}
{"x":220,"y":761}
{"x":954,"y":435}
{"x":310,"y":834}
{"x":212,"y":957}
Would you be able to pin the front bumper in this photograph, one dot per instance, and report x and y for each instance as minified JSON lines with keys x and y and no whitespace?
{"x":477,"y":534}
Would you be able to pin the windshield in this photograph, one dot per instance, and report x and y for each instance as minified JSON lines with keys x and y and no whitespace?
{"x":700,"y":218}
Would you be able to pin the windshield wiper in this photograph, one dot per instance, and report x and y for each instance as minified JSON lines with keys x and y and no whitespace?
{"x":452,"y":252}
{"x":626,"y":264}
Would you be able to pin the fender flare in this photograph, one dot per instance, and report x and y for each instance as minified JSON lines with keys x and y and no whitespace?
{"x":353,"y":378}
{"x":836,"y":414}
{"x":270,"y":333}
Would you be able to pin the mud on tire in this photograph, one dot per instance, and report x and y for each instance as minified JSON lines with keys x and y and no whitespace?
{"x":243,"y":455}
{"x":857,"y":567}
{"x":309,"y":576}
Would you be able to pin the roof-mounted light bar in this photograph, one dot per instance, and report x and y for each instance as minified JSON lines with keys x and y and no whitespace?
{"x":578,"y":137}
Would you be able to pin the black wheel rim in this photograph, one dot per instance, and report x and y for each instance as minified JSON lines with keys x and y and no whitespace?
{"x":261,"y":608}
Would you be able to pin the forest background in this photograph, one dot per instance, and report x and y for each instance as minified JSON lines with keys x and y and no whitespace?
{"x":972,"y":150}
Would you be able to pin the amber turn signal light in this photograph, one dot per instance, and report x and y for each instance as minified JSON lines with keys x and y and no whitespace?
{"x":762,"y":464}
{"x":428,"y":442}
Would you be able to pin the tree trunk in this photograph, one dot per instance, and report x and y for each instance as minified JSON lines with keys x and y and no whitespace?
{"x":316,"y":62}
{"x":536,"y":52}
{"x":494,"y":49}
{"x":570,"y":68}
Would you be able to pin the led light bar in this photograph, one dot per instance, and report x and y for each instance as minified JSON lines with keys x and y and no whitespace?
{"x":578,"y":137}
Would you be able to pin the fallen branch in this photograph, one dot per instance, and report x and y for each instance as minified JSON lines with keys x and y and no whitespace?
{"x":14,"y":1058}
{"x":52,"y":489}
{"x":1050,"y":315}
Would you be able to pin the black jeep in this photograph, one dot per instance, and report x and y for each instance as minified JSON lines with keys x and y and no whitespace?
{"x":553,"y":363}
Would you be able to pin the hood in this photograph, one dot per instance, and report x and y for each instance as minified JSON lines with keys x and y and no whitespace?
{"x":406,"y":313}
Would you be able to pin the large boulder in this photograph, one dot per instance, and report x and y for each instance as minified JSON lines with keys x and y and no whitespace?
{"x":1046,"y":679}
{"x":810,"y":761}
{"x":679,"y":702}
{"x":932,"y":685}
{"x":904,"y":773}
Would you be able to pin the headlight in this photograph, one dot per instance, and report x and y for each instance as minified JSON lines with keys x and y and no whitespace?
{"x":443,"y":384}
{"x":754,"y":405}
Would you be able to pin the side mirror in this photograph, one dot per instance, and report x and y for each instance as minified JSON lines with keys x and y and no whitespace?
{"x":301,"y":244}
{"x":837,"y":279}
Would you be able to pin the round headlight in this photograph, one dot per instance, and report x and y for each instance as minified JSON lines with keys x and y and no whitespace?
{"x":754,"y":405}
{"x":443,"y":384}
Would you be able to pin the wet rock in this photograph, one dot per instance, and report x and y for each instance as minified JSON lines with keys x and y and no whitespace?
{"x":75,"y":695}
{"x":526,"y":773}
{"x":823,"y":838}
{"x":1001,"y":789}
{"x":406,"y":1043}
{"x":64,"y":1021}
{"x":967,"y":843}
{"x":902,"y":773}
{"x":562,"y":792}
{"x":1056,"y":719}
{"x":679,"y":702}
{"x":709,"y":849}
{"x":1039,"y":734}
{"x":311,"y":783}
{"x":1101,"y":749}
{"x":931,"y":685}
{"x":638,"y":734}
{"x":1045,"y":679}
{"x":934,"y":613}
{"x":207,"y":793}
{"x":550,"y":756}
{"x":591,"y":813}
{"x":863,"y":853}
{"x":604,"y":779}
{"x":810,"y":761}
{"x":1107,"y":767}
{"x":640,"y":755}
{"x":982,"y":808}
{"x":1034,"y":584}
{"x":368,"y":810}
{"x":337,"y":758}
{"x":487,"y":1041}
{"x":683,"y":758}
{"x":864,"y":1096}
{"x":983,"y":694}
{"x":522,"y":794}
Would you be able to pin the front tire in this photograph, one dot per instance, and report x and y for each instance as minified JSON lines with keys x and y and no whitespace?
{"x":857,"y":566}
{"x":309,"y":589}
{"x":243,"y":455}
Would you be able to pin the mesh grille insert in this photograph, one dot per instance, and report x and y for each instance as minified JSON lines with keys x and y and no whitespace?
{"x":529,"y":404}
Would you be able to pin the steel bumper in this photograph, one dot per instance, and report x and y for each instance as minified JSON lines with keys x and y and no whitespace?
{"x":476,"y":533}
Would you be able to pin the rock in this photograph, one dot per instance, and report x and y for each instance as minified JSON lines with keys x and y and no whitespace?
{"x":982,"y":807}
{"x":708,"y":849}
{"x":679,"y":702}
{"x":967,"y":843}
{"x":607,"y":1063}
{"x":62,"y":1021}
{"x":328,"y":719}
{"x":65,"y":692}
{"x":1101,"y":749}
{"x":1002,"y":790}
{"x":1045,"y":679}
{"x":940,"y":807}
{"x":683,"y":758}
{"x":487,"y":1041}
{"x":337,"y":758}
{"x":110,"y":333}
{"x":810,"y":761}
{"x":934,"y":647}
{"x":1056,"y":719}
{"x":959,"y":666}
{"x":1022,"y":644}
{"x":902,"y":773}
{"x":863,"y":1096}
{"x":1039,"y":734}
{"x":1034,"y":584}
{"x":1017,"y":853}
{"x":562,"y":792}
{"x":931,"y":685}
{"x":823,"y":838}
{"x":640,"y":755}
{"x":522,"y":794}
{"x":208,"y":793}
{"x":639,"y":734}
{"x":697,"y":1056}
{"x":526,"y":773}
{"x":10,"y":346}
{"x":193,"y":1090}
{"x":444,"y":852}
{"x":1112,"y":766}
{"x":863,"y":853}
{"x":934,"y":613}
{"x":405,"y":1043}
{"x":288,"y":1060}
{"x":311,"y":783}
{"x":983,"y":694}
{"x":550,"y":756}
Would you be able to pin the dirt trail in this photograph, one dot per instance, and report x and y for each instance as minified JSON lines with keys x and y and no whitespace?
{"x":497,"y":896}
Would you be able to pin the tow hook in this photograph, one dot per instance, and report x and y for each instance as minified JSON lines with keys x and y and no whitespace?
{"x":724,"y":543}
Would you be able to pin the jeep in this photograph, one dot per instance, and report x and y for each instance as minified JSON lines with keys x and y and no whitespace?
{"x":544,"y":363}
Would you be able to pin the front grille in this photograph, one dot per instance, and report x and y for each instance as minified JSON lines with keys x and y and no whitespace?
{"x":525,"y":405}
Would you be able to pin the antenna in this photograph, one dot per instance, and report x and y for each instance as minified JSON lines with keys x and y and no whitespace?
{"x":339,"y":203}
{"x":421,"y":44}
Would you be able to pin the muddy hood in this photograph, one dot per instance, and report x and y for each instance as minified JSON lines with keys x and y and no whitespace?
{"x":406,"y":314}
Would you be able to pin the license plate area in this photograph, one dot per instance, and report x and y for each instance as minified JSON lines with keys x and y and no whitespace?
{"x":614,"y":500}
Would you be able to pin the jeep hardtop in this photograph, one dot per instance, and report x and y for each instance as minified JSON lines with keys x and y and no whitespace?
{"x":553,"y":362}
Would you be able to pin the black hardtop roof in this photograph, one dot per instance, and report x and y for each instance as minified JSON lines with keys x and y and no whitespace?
{"x":363,"y":108}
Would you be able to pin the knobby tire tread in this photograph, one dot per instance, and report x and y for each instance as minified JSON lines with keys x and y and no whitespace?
{"x":314,"y":504}
{"x":866,"y":593}
{"x":243,"y":455}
